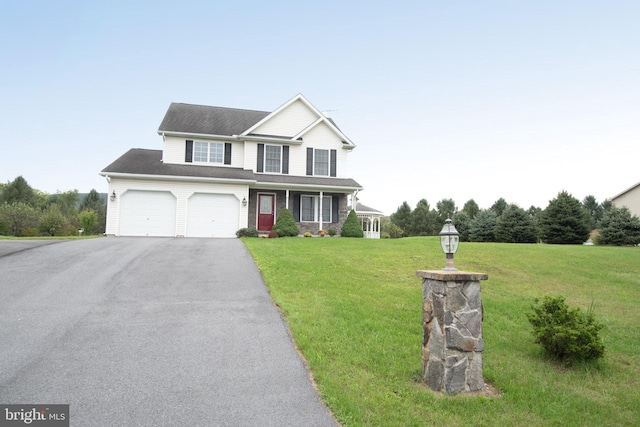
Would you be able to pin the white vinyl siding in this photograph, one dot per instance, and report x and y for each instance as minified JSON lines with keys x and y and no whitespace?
{"x":288,"y":122}
{"x":310,"y":208}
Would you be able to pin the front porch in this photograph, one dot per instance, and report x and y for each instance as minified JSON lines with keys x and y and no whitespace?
{"x":313,"y":211}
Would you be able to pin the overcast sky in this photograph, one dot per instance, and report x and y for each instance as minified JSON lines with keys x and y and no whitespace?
{"x":461,"y":100}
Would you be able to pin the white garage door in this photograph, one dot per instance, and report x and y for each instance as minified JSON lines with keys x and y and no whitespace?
{"x":212,"y":215}
{"x":147,"y":213}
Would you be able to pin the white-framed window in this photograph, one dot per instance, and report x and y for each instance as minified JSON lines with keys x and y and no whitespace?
{"x":208,"y":152}
{"x":321,"y":162}
{"x":310,"y":208}
{"x":272,"y":158}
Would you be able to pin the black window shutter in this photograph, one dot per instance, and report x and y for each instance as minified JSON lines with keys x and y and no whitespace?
{"x":285,"y":159}
{"x":309,"y":161}
{"x":333,"y":164}
{"x":227,"y":153}
{"x":260,"y":167}
{"x":188,"y":152}
{"x":296,"y":207}
{"x":335,"y":208}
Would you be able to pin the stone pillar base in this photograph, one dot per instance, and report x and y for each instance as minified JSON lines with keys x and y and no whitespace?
{"x":452,"y":316}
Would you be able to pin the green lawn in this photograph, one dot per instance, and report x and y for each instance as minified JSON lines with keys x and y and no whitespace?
{"x":354,"y":308}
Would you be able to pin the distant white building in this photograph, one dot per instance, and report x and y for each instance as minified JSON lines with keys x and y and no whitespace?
{"x":629,"y":198}
{"x":370,"y":220}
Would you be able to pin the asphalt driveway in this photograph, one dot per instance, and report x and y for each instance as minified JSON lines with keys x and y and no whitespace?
{"x":148,"y":332}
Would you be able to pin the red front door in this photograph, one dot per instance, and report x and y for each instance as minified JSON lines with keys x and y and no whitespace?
{"x":266,"y":204}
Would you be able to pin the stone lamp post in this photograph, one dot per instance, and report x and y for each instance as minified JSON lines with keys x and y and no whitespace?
{"x":452,"y":316}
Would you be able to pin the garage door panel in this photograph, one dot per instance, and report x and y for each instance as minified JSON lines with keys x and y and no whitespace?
{"x":212,"y":215}
{"x":147,"y":213}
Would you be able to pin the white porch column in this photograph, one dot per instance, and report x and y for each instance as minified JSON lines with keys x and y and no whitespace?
{"x":320,"y":213}
{"x":286,"y":199}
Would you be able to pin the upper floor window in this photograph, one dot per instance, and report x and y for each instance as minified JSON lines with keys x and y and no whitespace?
{"x":211,"y":152}
{"x":321,"y":162}
{"x":208,"y":152}
{"x":273,"y":158}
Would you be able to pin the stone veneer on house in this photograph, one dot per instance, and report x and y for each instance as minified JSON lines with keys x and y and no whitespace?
{"x":452,"y":315}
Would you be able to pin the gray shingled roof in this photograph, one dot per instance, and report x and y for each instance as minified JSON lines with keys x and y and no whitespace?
{"x":306,"y":180}
{"x":140,"y":161}
{"x":362,"y":208}
{"x":189,"y":118}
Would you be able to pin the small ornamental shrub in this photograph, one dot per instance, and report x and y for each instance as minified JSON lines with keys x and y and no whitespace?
{"x":394,"y":231}
{"x":567,"y":335}
{"x":273,"y":234}
{"x":88,"y":219}
{"x":29,"y":232}
{"x":351,"y":226}
{"x":308,"y":234}
{"x":322,"y":233}
{"x":332,"y":232}
{"x":285,"y":225}
{"x":247,"y":232}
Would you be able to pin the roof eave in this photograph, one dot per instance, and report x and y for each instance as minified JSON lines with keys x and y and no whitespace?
{"x":625,"y":191}
{"x":196,"y":135}
{"x":309,"y":187}
{"x":252,"y":138}
{"x":124,"y":175}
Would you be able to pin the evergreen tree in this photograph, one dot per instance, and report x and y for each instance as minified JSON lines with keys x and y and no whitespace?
{"x":594,"y":210}
{"x":446,"y":209}
{"x":351,"y":226}
{"x":564,"y":221}
{"x":462,"y":223}
{"x":499,"y":206}
{"x":619,"y":228}
{"x":402,"y":217}
{"x":422,"y":221}
{"x":471,"y":208}
{"x":515,"y":226}
{"x":482,"y":228}
{"x":285,"y":225}
{"x":18,"y":190}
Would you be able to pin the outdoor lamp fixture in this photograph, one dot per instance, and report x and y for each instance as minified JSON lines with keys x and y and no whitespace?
{"x":244,"y":202}
{"x":449,"y":239}
{"x":113,"y":195}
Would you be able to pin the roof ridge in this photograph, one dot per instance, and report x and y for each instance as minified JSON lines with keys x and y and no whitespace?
{"x":223,"y":108}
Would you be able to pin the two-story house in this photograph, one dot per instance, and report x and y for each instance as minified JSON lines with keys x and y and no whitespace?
{"x":222,"y":169}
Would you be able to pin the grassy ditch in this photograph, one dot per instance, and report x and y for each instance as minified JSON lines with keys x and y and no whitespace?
{"x":354,"y":308}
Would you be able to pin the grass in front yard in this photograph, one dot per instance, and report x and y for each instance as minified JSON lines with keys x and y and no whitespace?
{"x":354,"y":308}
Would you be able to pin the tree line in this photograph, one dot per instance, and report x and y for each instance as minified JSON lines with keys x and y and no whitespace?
{"x":566,"y":220}
{"x":28,"y":212}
